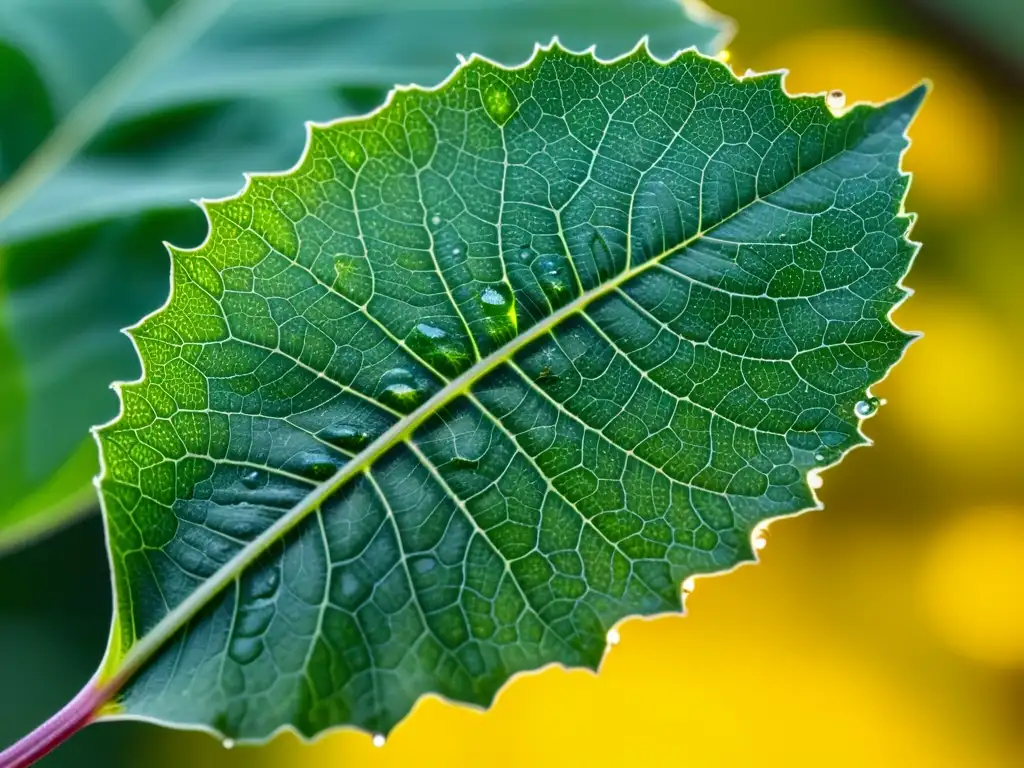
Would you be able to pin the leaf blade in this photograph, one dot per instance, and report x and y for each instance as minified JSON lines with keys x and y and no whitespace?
{"x":434,"y":457}
{"x":100,"y":219}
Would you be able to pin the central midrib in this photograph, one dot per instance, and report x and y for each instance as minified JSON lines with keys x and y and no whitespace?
{"x":115,"y":674}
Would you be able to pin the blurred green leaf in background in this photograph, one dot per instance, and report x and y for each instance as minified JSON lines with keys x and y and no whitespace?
{"x":115,"y":113}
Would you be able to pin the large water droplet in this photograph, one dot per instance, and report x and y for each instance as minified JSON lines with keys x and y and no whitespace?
{"x":498,"y":305}
{"x":400,"y":389}
{"x":491,"y":297}
{"x":316,"y":465}
{"x":612,"y":638}
{"x":348,"y":437}
{"x":431,"y":331}
{"x":759,"y":538}
{"x":443,"y":351}
{"x":379,"y":740}
{"x":228,"y":743}
{"x":836,"y":101}
{"x":866,"y":408}
{"x":689,"y":584}
{"x":815,"y":480}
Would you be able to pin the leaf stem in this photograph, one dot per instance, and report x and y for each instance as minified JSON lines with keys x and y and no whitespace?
{"x":74,"y":716}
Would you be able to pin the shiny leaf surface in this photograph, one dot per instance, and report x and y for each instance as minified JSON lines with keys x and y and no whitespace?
{"x":114,"y":115}
{"x":487,"y":372}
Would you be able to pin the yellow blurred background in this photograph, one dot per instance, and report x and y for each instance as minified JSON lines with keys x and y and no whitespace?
{"x":887,"y":630}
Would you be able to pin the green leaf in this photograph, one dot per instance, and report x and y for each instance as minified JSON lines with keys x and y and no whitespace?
{"x":487,"y":372}
{"x":157,"y":102}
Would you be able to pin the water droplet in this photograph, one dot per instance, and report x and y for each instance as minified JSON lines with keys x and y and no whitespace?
{"x":435,"y":219}
{"x":456,"y":251}
{"x":492,"y":297}
{"x":613,"y":636}
{"x":498,"y":304}
{"x":835,"y":100}
{"x":431,"y":331}
{"x":379,"y":740}
{"x":866,"y":408}
{"x":251,"y":479}
{"x":228,"y":743}
{"x":814,"y":480}
{"x":782,"y":236}
{"x":346,"y":436}
{"x":525,"y":254}
{"x":759,"y":538}
{"x":819,"y":457}
{"x":400,"y":389}
{"x":554,"y":277}
{"x":724,"y":55}
{"x":444,"y":352}
{"x":314,"y":465}
{"x":688,"y":585}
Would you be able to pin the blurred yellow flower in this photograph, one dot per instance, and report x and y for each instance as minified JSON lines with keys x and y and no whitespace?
{"x":971,"y":579}
{"x":956,"y":393}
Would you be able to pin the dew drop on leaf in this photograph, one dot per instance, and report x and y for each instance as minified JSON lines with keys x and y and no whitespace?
{"x":431,"y":331}
{"x":554,"y":278}
{"x":346,"y":436}
{"x":759,"y":537}
{"x":435,"y":219}
{"x":814,"y":480}
{"x":498,"y":305}
{"x":441,"y":349}
{"x":228,"y":743}
{"x":613,"y":636}
{"x":866,"y":408}
{"x":835,"y":100}
{"x":688,"y":585}
{"x":400,"y":389}
{"x":251,"y":479}
{"x":379,"y":740}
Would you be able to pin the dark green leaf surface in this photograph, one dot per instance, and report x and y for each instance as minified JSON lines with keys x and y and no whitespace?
{"x":183,"y":97}
{"x":487,"y":372}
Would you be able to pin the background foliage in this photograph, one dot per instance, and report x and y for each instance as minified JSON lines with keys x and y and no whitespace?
{"x":881,"y":631}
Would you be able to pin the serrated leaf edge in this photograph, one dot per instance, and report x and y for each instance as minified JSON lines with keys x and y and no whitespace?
{"x":116,"y":669}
